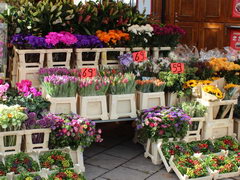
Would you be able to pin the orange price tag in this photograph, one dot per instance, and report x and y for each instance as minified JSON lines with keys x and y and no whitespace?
{"x":88,"y":72}
{"x":140,"y":56}
{"x":177,"y":68}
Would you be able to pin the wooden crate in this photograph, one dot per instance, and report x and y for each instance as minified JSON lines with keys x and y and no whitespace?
{"x":237,"y":128}
{"x":158,"y":50}
{"x":81,"y":62}
{"x":123,"y":105}
{"x":93,"y":107}
{"x":149,"y":100}
{"x":65,"y":62}
{"x":107,"y":62}
{"x":171,"y":99}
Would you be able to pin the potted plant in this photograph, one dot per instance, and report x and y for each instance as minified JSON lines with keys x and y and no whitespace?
{"x":3,"y":170}
{"x":93,"y":100}
{"x":28,"y":176}
{"x":203,"y":146}
{"x":66,"y":174}
{"x":227,"y":143}
{"x":122,"y":102}
{"x":61,"y":92}
{"x":150,"y":93}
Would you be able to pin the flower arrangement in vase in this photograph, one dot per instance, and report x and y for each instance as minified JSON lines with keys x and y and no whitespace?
{"x":55,"y":160}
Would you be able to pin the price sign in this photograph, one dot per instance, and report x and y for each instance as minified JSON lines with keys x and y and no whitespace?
{"x":177,"y":68}
{"x":235,"y":39}
{"x":88,"y":72}
{"x":140,"y":56}
{"x":236,"y":8}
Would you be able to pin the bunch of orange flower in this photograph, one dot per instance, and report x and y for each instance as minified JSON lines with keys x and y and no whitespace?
{"x":219,"y":64}
{"x":113,"y":37}
{"x":152,"y":85}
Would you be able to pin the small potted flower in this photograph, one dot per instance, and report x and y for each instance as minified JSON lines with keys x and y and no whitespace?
{"x":222,"y":166}
{"x":197,"y":113}
{"x":93,"y":100}
{"x":203,"y":146}
{"x":61,"y":92}
{"x":176,"y":149}
{"x":88,"y":50}
{"x":162,"y":124}
{"x":122,"y":102}
{"x":66,"y":174}
{"x":29,"y":176}
{"x":227,"y":143}
{"x":150,"y":93}
{"x":21,"y":162}
{"x":190,"y":167}
{"x":55,"y":160}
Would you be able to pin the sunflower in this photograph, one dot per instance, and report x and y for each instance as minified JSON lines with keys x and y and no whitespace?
{"x":229,"y":86}
{"x":192,"y":83}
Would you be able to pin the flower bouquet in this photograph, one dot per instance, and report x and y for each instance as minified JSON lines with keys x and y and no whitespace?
{"x":190,"y":168}
{"x":203,"y":146}
{"x":152,"y":85}
{"x":212,"y":93}
{"x":93,"y":100}
{"x":52,"y":71}
{"x":66,"y":174}
{"x":29,"y":176}
{"x":21,"y":162}
{"x":227,"y":143}
{"x":55,"y":160}
{"x":122,"y":102}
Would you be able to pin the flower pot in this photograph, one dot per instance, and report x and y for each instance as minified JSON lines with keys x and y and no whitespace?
{"x":88,"y":62}
{"x":109,"y":57}
{"x":28,"y":63}
{"x":194,"y":133}
{"x":149,"y":100}
{"x":123,"y":105}
{"x":63,"y":104}
{"x":93,"y":107}
{"x":171,"y":99}
{"x":157,"y":51}
{"x":58,"y":58}
{"x":15,"y":146}
{"x":37,"y":139}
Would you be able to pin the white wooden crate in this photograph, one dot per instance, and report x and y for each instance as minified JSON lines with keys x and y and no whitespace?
{"x":237,"y":128}
{"x":157,"y":51}
{"x":109,"y":62}
{"x":93,"y":107}
{"x":63,"y":104}
{"x":65,"y":63}
{"x":149,"y":100}
{"x":81,"y":62}
{"x":171,"y":99}
{"x":121,"y":106}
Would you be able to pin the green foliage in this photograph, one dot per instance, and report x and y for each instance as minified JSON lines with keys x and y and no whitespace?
{"x":193,"y":108}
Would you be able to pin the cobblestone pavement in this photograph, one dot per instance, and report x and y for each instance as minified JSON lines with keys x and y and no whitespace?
{"x":118,"y":158}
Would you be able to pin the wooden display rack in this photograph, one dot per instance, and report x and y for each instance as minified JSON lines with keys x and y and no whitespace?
{"x":65,"y":63}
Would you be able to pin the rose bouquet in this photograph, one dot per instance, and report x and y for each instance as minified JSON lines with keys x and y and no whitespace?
{"x":29,"y":176}
{"x":175,"y":149}
{"x":191,"y":166}
{"x":66,"y":174}
{"x":21,"y":162}
{"x":52,"y":71}
{"x":71,"y":130}
{"x":3,"y":169}
{"x":55,"y":160}
{"x":60,"y":86}
{"x":221,"y":163}
{"x":122,"y":84}
{"x":163,"y":122}
{"x":227,"y":143}
{"x":140,"y":35}
{"x":97,"y":86}
{"x":147,"y":86}
{"x":203,"y":146}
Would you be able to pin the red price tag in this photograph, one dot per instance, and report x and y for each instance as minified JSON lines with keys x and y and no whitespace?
{"x":140,"y":56}
{"x":235,"y":39}
{"x":236,"y":8}
{"x":88,"y":72}
{"x":177,"y":68}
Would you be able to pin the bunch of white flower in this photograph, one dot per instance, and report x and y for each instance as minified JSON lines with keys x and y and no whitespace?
{"x":141,"y":30}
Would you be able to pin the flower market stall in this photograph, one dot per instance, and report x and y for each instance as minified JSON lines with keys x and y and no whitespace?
{"x":106,"y":62}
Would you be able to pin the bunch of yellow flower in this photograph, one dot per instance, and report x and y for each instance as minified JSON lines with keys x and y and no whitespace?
{"x":194,"y":83}
{"x":211,"y":89}
{"x":219,"y":64}
{"x":229,"y":86}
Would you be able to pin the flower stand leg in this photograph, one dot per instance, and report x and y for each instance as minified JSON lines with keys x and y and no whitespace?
{"x":77,"y":157}
{"x":237,"y":128}
{"x":152,"y":152}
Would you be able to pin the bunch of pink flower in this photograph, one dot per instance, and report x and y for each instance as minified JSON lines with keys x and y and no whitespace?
{"x":3,"y":90}
{"x":25,"y":87}
{"x":66,"y":38}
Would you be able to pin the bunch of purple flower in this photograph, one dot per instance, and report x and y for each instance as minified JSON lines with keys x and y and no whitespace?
{"x":52,"y":71}
{"x":88,"y":41}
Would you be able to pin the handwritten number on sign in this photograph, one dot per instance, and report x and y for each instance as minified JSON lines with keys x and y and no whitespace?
{"x":177,"y":68}
{"x":140,"y":56}
{"x":88,"y":72}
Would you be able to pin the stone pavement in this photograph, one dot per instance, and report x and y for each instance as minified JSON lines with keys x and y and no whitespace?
{"x":118,"y":158}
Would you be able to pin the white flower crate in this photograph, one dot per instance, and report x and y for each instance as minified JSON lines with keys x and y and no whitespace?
{"x":16,"y":147}
{"x":108,"y":62}
{"x":149,"y":100}
{"x":28,"y":70}
{"x":213,"y":109}
{"x":64,"y":61}
{"x":92,"y":63}
{"x":34,"y":133}
{"x":185,"y":177}
{"x":14,"y":67}
{"x":171,"y":99}
{"x":195,"y":135}
{"x":93,"y":107}
{"x":43,"y":173}
{"x":121,"y":106}
{"x":158,"y":50}
{"x":63,"y":104}
{"x":237,"y":128}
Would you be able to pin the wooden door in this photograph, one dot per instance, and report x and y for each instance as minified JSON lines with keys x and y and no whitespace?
{"x":191,"y":29}
{"x":186,"y":10}
{"x":211,"y":35}
{"x":213,"y":10}
{"x":156,"y":12}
